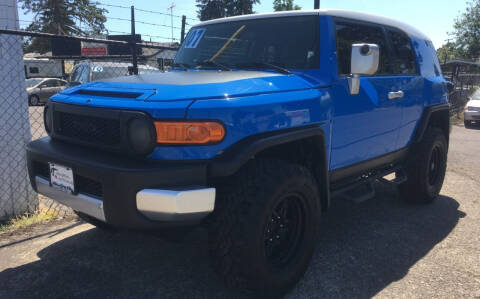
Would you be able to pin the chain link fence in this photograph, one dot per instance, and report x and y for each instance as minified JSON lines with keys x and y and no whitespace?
{"x":32,"y":78}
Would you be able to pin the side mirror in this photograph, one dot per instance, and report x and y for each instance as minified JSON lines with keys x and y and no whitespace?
{"x":364,"y":61}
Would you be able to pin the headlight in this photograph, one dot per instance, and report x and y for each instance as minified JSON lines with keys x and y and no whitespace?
{"x":141,"y":135}
{"x":48,"y":119}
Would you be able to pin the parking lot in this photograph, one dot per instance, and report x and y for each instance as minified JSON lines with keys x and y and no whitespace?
{"x":383,"y":248}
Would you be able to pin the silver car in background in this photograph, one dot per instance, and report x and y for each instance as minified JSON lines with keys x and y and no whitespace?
{"x":39,"y":90}
{"x":472,"y":110}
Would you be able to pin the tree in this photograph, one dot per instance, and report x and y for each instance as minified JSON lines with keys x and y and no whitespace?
{"x":214,"y":9}
{"x":282,"y":5}
{"x":65,"y":17}
{"x":449,"y":51}
{"x":467,"y":31}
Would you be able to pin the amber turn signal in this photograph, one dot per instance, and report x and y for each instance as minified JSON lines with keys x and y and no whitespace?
{"x":189,"y":132}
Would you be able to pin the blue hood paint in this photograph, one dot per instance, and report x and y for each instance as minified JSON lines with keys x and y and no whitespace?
{"x":205,"y":84}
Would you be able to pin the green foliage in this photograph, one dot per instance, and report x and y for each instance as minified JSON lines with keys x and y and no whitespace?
{"x":466,"y":32}
{"x":449,"y":51}
{"x":282,"y":5}
{"x":66,"y":17}
{"x":214,"y":9}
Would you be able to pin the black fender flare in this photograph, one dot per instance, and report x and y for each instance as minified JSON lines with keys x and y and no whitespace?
{"x":438,"y":113}
{"x":232,"y":159}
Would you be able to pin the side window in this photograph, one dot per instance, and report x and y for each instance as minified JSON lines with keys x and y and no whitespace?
{"x":352,"y":33}
{"x":33,"y":70}
{"x":403,"y":58}
{"x":61,"y":83}
{"x":48,"y":83}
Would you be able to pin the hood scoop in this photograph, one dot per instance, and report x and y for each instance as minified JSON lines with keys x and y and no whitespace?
{"x":109,"y":94}
{"x":117,"y":93}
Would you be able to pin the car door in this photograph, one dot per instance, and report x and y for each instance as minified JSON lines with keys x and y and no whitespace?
{"x":365,"y":125}
{"x":46,"y":89}
{"x":409,"y":83}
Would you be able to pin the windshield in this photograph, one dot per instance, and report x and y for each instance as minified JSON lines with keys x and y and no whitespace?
{"x":32,"y":82}
{"x":287,"y":42}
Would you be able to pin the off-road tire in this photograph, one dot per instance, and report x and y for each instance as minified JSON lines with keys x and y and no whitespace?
{"x":238,"y":232}
{"x":95,"y":222}
{"x":425,"y":168}
{"x":33,"y":100}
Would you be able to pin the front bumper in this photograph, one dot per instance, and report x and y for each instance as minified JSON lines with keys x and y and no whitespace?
{"x":472,"y":115}
{"x":124,"y":192}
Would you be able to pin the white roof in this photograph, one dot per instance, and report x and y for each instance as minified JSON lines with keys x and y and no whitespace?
{"x":348,"y":14}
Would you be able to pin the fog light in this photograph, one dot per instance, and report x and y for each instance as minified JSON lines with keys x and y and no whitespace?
{"x":141,"y":136}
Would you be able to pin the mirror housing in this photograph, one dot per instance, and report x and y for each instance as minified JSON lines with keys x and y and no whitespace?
{"x":450,"y":86}
{"x":364,"y":61}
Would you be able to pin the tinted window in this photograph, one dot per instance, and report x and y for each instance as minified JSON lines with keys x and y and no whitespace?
{"x":49,"y":83}
{"x":403,"y":58}
{"x":33,"y":70}
{"x":353,"y":33}
{"x":287,"y":42}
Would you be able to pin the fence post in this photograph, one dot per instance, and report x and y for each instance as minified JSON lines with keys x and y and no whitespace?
{"x":134,"y":43}
{"x":182,"y":34}
{"x":16,"y":195}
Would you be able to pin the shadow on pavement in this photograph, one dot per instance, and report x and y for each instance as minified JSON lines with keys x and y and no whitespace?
{"x":362,"y":249}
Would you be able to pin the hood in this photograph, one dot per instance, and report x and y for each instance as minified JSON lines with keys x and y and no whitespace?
{"x":192,"y":85}
{"x":474,"y":103}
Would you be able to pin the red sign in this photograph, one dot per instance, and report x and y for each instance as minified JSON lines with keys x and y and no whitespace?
{"x":92,"y":51}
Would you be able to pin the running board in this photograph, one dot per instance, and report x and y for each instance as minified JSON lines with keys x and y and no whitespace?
{"x":363,"y":188}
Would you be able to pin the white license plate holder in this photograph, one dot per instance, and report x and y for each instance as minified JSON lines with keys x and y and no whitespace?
{"x":61,"y":178}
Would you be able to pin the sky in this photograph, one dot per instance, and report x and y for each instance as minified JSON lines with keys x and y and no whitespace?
{"x":433,"y":17}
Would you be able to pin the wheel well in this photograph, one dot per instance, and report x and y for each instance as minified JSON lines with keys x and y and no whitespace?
{"x":441,"y":119}
{"x":309,"y":152}
{"x":434,"y":116}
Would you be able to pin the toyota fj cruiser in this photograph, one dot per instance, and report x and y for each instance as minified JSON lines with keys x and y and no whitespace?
{"x":265,"y":118}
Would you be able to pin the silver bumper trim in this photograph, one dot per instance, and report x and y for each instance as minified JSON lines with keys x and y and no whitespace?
{"x":176,"y":205}
{"x":81,"y":202}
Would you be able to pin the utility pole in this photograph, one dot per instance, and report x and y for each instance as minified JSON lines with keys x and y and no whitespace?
{"x":133,"y":42}
{"x":446,"y":49}
{"x":182,"y":33}
{"x":316,"y":4}
{"x":171,"y":17}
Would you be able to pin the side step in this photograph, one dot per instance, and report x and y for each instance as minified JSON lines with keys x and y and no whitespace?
{"x":362,"y":188}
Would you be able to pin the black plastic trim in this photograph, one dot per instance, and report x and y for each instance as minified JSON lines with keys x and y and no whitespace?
{"x":238,"y":154}
{"x":425,"y":120}
{"x":121,"y":178}
{"x":365,"y":166}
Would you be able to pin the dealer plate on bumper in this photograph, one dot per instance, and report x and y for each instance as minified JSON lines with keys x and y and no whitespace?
{"x":61,"y":177}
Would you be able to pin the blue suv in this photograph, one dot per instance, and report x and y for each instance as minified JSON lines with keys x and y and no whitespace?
{"x":264,"y":119}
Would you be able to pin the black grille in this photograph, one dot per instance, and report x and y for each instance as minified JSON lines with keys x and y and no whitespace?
{"x":88,"y":186}
{"x":88,"y":128}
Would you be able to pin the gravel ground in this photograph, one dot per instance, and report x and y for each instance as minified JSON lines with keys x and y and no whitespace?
{"x":381,"y":248}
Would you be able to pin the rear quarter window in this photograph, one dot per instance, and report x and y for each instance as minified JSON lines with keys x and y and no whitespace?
{"x":402,"y":60}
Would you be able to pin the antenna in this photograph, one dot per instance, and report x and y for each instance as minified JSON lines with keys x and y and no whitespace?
{"x":171,"y":17}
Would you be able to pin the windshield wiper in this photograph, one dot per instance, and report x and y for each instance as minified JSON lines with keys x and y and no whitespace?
{"x":266,"y":64}
{"x":213,"y":63}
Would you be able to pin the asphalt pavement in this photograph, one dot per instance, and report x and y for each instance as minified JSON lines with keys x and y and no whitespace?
{"x":381,"y":248}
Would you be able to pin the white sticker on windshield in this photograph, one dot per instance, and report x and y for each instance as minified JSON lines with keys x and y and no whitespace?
{"x":97,"y":69}
{"x":194,"y":38}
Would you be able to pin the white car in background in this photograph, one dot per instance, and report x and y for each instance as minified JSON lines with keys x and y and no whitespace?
{"x":472,"y":110}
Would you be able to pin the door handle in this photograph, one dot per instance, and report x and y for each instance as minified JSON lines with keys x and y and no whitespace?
{"x":392,"y":95}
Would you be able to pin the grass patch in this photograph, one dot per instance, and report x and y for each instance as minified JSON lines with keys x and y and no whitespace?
{"x":28,"y":220}
{"x":456,"y":119}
